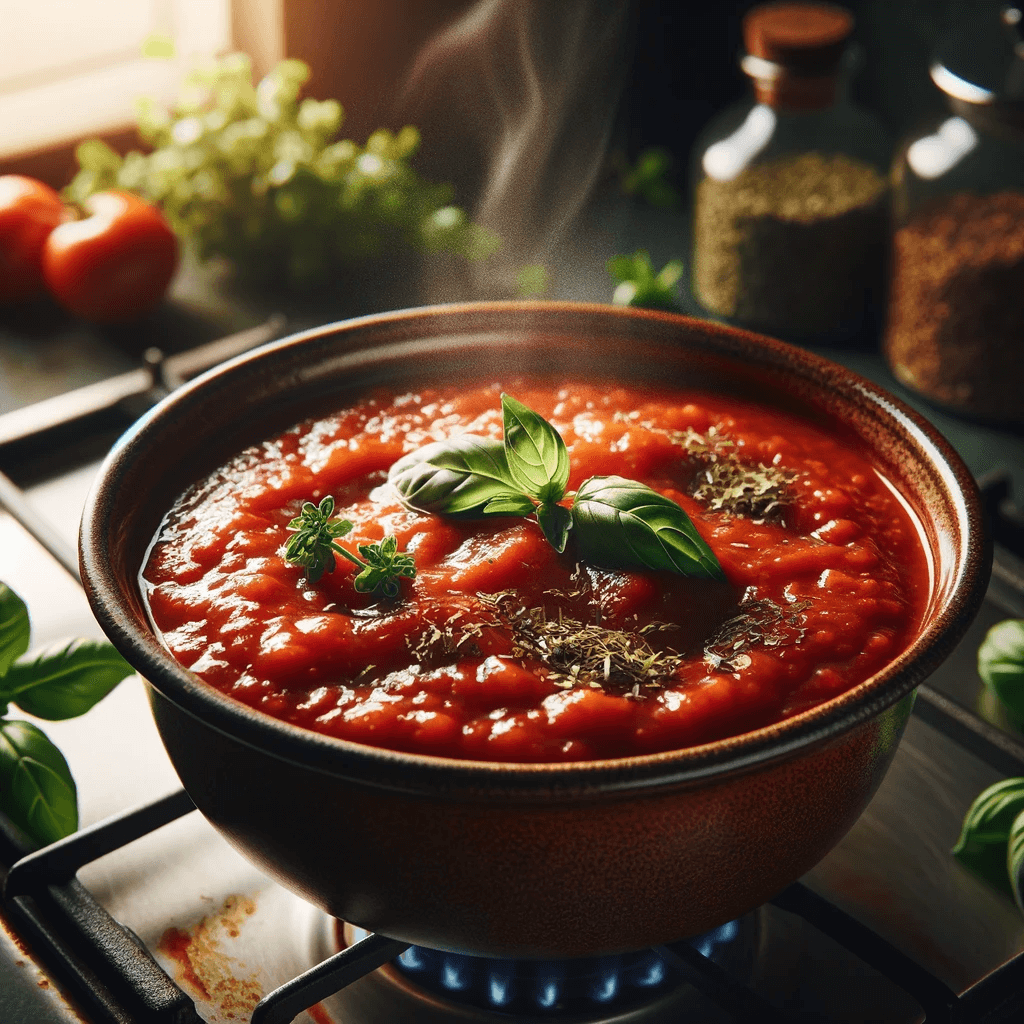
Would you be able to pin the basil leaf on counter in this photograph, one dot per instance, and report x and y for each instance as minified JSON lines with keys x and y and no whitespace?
{"x":36,"y":789}
{"x":620,"y":523}
{"x":536,"y":454}
{"x":982,"y":846}
{"x":556,"y":522}
{"x":459,"y":476}
{"x":14,"y":628}
{"x":1015,"y":859}
{"x":64,"y":681}
{"x":1001,"y":664}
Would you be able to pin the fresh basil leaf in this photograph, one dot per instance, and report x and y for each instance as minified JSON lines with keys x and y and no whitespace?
{"x":1001,"y":664}
{"x":36,"y":789}
{"x":621,"y":523}
{"x":513,"y":505}
{"x":556,"y":522}
{"x":14,"y":630}
{"x":982,"y":846}
{"x":65,"y":680}
{"x":1015,"y":859}
{"x":536,"y":454}
{"x":459,"y":476}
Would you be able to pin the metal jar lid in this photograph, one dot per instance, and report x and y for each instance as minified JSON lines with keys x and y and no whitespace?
{"x":980,"y":67}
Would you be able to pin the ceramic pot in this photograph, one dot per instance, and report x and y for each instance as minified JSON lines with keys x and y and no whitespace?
{"x":525,"y":859}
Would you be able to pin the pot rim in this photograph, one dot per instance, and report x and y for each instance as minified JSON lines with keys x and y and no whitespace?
{"x":417,"y":773}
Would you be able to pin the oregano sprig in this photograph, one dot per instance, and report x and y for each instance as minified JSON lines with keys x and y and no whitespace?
{"x":618,"y":523}
{"x":313,"y":547}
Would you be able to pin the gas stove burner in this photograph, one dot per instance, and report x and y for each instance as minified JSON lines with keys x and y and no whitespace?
{"x":424,"y":986}
{"x":552,"y":989}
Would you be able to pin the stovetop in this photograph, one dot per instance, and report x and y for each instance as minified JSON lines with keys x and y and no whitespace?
{"x":888,"y":927}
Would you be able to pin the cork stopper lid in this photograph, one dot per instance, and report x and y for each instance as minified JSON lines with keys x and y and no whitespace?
{"x":804,"y":38}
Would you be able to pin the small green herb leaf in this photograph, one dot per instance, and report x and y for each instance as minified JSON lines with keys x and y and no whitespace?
{"x":648,"y":179}
{"x":457,"y":477}
{"x":66,"y":680}
{"x":640,"y":286}
{"x":513,"y":505}
{"x":982,"y":846}
{"x":313,"y":545}
{"x":384,"y":565}
{"x":556,"y":522}
{"x":36,"y":789}
{"x":621,"y":523}
{"x":1015,"y":859}
{"x":1001,"y":664}
{"x":14,"y":629}
{"x":536,"y":454}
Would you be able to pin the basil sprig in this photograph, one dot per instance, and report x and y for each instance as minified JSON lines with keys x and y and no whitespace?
{"x":617,"y":523}
{"x":37,"y":791}
{"x":1001,"y":664}
{"x":621,"y":522}
{"x":991,"y":842}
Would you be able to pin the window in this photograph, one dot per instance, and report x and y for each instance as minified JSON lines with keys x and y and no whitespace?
{"x":71,"y":68}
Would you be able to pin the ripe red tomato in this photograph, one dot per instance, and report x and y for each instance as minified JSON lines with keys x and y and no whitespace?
{"x":29,"y":211}
{"x":113,"y":264}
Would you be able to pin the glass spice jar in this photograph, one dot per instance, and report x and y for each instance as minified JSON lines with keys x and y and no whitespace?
{"x":955,"y":329}
{"x":791,"y":218}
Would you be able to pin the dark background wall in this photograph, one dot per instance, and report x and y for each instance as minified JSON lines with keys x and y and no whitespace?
{"x":685,"y":65}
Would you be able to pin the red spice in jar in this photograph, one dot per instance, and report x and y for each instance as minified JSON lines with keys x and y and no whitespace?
{"x":501,"y":649}
{"x":956,"y":317}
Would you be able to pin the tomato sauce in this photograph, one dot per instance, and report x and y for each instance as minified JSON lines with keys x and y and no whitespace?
{"x":500,"y":649}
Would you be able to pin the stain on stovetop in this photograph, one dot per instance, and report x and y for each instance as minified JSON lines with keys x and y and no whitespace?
{"x":202,"y":964}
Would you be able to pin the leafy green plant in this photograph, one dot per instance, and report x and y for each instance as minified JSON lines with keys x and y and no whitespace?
{"x":617,"y":523}
{"x":639,"y":285}
{"x":37,"y":791}
{"x":313,"y":547}
{"x":991,"y":842}
{"x":649,"y":178}
{"x":255,"y":174}
{"x":1001,"y":664}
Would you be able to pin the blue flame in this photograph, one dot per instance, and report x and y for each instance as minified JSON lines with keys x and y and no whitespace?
{"x":709,"y":943}
{"x":651,"y":973}
{"x":455,"y":973}
{"x":607,"y":987}
{"x":555,"y":988}
{"x":413,"y":959}
{"x":500,"y":988}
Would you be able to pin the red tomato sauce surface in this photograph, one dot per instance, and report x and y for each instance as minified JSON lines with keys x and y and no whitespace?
{"x":823,"y":590}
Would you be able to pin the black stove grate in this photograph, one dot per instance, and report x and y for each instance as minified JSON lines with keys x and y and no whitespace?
{"x":116,"y":979}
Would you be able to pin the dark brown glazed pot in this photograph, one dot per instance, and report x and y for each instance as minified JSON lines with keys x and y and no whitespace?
{"x":525,"y":859}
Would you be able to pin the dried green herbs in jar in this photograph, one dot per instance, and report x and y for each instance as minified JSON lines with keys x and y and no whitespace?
{"x":790,"y":210}
{"x":794,"y":246}
{"x":956,"y":317}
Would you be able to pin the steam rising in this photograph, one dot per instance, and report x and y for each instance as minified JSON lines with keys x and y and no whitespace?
{"x":521,"y":95}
